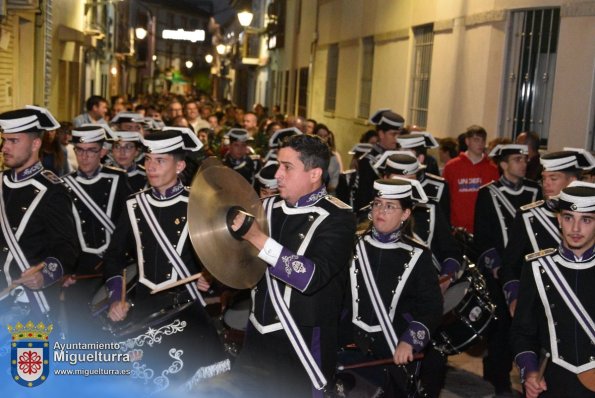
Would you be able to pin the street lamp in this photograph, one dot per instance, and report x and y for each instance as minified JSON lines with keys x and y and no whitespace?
{"x":221,"y":48}
{"x":245,"y":18}
{"x":209,"y":58}
{"x":140,"y":33}
{"x":189,"y":64}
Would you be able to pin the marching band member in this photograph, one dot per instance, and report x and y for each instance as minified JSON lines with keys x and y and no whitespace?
{"x":291,"y":341}
{"x":154,"y":227}
{"x":430,"y":224}
{"x":388,"y":125}
{"x":396,"y":300}
{"x":125,"y":150}
{"x":99,"y":194}
{"x":556,"y":304}
{"x":499,"y":201}
{"x":536,"y":225}
{"x":38,"y":239}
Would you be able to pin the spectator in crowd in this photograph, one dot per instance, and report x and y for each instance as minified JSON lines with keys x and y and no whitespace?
{"x":96,"y":109}
{"x":465,"y":174}
{"x":335,"y":165}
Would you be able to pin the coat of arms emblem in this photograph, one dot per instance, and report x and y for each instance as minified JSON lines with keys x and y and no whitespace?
{"x":30,"y":353}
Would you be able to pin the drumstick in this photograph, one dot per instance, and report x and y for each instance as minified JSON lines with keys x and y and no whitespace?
{"x":17,"y":282}
{"x":542,"y":366}
{"x":178,"y":283}
{"x":123,"y":297}
{"x":86,"y":276}
{"x":377,"y":362}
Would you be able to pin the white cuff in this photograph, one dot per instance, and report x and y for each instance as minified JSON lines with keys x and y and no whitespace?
{"x":270,"y":252}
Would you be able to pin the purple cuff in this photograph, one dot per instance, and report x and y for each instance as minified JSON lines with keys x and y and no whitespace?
{"x":527,"y":363}
{"x":417,"y":334}
{"x":294,"y":270}
{"x":114,"y":288}
{"x":490,"y":259}
{"x":450,"y":266}
{"x":52,"y":272}
{"x":511,"y":290}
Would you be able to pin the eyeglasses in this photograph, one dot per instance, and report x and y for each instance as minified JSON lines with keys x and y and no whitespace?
{"x":124,"y":148}
{"x":386,"y":208}
{"x":90,"y":152}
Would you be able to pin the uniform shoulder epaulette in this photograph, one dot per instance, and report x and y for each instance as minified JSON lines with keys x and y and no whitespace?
{"x":51,"y":177}
{"x":350,"y":171}
{"x":139,"y":192}
{"x":435,"y":177}
{"x":415,"y":241}
{"x":488,"y":184}
{"x":337,"y":202}
{"x":532,"y":205}
{"x":541,"y":253}
{"x":114,"y":169}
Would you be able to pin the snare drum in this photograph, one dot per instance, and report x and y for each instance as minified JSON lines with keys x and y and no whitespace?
{"x":171,"y":347}
{"x":235,"y":320}
{"x":467,"y":314}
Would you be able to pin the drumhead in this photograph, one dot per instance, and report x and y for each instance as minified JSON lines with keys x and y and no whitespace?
{"x":236,"y":316}
{"x":454,"y":295}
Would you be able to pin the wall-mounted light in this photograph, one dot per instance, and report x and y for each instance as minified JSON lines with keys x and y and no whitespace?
{"x":140,"y":33}
{"x":189,"y":64}
{"x":114,"y":71}
{"x":209,"y":58}
{"x":154,"y":57}
{"x":221,"y":49}
{"x":245,"y":18}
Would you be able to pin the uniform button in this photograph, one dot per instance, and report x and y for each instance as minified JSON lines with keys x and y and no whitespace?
{"x":552,"y":305}
{"x":5,"y":249}
{"x":276,"y":318}
{"x":301,"y":236}
{"x":399,"y":278}
{"x":547,"y":287}
{"x":359,"y":318}
{"x":310,"y":218}
{"x":561,"y":357}
{"x":167,"y":276}
{"x":102,"y":229}
{"x":591,"y":359}
{"x":357,"y":300}
{"x":23,"y":208}
{"x":558,"y":341}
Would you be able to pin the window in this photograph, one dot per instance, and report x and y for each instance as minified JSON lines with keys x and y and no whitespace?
{"x":422,"y":58}
{"x":332,"y":69}
{"x":531,"y":62}
{"x":365,"y":94}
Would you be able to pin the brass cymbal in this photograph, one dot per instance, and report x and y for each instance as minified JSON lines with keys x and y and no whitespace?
{"x":214,"y":191}
{"x":208,"y":162}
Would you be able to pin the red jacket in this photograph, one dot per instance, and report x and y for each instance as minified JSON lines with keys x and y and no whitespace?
{"x":464,"y":179}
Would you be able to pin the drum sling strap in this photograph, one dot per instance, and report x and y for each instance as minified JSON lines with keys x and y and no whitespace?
{"x":17,"y":252}
{"x":379,"y":308}
{"x":289,"y":326}
{"x":90,"y":203}
{"x":573,"y":303}
{"x":166,"y":246}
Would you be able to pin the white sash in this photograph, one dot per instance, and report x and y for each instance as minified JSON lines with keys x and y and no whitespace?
{"x":293,"y":333}
{"x":379,"y":309}
{"x":167,"y":247}
{"x":15,"y":249}
{"x":90,"y":203}
{"x":565,"y":291}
